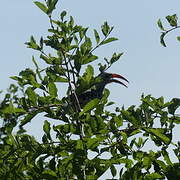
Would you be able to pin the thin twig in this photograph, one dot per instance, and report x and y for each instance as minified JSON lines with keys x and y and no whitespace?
{"x":69,"y":59}
{"x":69,"y":81}
{"x":100,"y":42}
{"x":172,"y":29}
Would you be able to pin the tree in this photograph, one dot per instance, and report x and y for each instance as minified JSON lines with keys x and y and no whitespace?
{"x":82,"y":131}
{"x":173,"y":23}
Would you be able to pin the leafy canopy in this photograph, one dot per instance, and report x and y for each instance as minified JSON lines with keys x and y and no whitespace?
{"x":84,"y":135}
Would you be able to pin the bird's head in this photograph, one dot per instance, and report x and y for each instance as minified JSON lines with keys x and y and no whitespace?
{"x":109,"y":78}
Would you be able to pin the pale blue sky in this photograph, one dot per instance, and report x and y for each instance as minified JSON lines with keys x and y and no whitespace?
{"x":150,"y":68}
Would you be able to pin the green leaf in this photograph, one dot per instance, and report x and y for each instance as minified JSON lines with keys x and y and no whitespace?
{"x":159,"y":23}
{"x":49,"y":174}
{"x":41,"y":43}
{"x":86,"y":46}
{"x":88,"y":75}
{"x":162,"y":39}
{"x":102,"y":67}
{"x":19,"y":110}
{"x":32,"y":95}
{"x":176,"y":119}
{"x":124,"y":137}
{"x":63,"y":14}
{"x":166,"y":157}
{"x":16,"y":78}
{"x":105,"y":28}
{"x":61,"y":79}
{"x":79,"y":145}
{"x":51,"y":6}
{"x":10,"y":108}
{"x":147,"y":162}
{"x":89,"y":106}
{"x":77,"y":65}
{"x":172,"y":20}
{"x":52,"y":89}
{"x":158,"y":133}
{"x":92,"y":143}
{"x":140,"y":142}
{"x":175,"y":103}
{"x":52,"y":164}
{"x":32,"y":44}
{"x":153,"y":176}
{"x":47,"y":128}
{"x":130,"y":118}
{"x":115,"y":57}
{"x":71,"y":22}
{"x":82,"y":32}
{"x":46,"y":59}
{"x":113,"y":170}
{"x":161,"y":164}
{"x":41,"y":6}
{"x":88,"y":59}
{"x":108,"y":40}
{"x":97,"y":37}
{"x":178,"y":38}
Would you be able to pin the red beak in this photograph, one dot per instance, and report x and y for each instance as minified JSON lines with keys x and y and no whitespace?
{"x":116,"y":81}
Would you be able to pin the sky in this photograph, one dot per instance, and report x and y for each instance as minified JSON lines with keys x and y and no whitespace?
{"x":150,"y":68}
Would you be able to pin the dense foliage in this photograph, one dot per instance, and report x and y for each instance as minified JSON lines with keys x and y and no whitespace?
{"x":91,"y":139}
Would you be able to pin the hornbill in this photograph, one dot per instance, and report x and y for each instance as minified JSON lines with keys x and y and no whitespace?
{"x":97,"y":92}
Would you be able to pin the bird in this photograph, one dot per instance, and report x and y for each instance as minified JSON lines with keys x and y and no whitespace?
{"x":104,"y":79}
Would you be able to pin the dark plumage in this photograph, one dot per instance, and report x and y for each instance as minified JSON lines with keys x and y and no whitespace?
{"x":97,"y":92}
